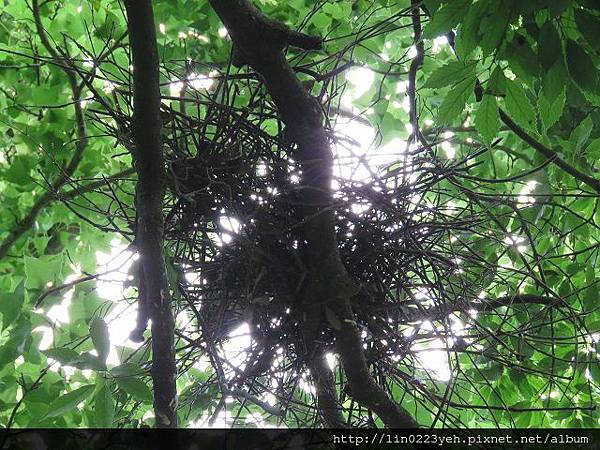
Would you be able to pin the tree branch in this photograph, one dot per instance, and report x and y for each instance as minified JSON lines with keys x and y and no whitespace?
{"x":442,"y":311}
{"x":549,"y":153}
{"x":259,"y":43}
{"x":150,"y":191}
{"x":416,"y":63}
{"x":327,"y":403}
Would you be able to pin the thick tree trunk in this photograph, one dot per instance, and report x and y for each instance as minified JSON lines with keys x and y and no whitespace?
{"x":259,"y":42}
{"x":150,"y":190}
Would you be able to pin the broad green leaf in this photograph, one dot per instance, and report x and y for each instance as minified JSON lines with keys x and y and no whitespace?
{"x":88,"y":361}
{"x":553,"y":83}
{"x":19,"y":171}
{"x":100,"y":337}
{"x":135,"y":387}
{"x":494,"y":28}
{"x":446,"y":18}
{"x":523,"y":60}
{"x":69,"y":401}
{"x":550,"y":112}
{"x":591,"y":298}
{"x":581,"y":67}
{"x":126,"y":369}
{"x":581,"y":133}
{"x":497,"y":82}
{"x":84,"y":305}
{"x":43,"y":270}
{"x":17,"y":342}
{"x":468,"y":35}
{"x":104,"y":407}
{"x":336,"y":10}
{"x":63,"y":355}
{"x":523,"y":419}
{"x":595,"y":370}
{"x":432,"y":5}
{"x":518,"y":105}
{"x":450,"y":73}
{"x":136,"y":356}
{"x":592,"y":151}
{"x":549,"y":47}
{"x":487,"y":119}
{"x":321,"y":20}
{"x":589,"y":26}
{"x":11,"y":305}
{"x":454,"y":103}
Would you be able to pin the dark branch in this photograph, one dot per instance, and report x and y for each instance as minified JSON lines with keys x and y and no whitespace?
{"x":150,"y":190}
{"x":259,"y":43}
{"x":549,"y":153}
{"x":416,"y":63}
{"x":442,"y":312}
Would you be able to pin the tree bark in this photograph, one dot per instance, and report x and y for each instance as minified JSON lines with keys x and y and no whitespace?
{"x":150,"y":191}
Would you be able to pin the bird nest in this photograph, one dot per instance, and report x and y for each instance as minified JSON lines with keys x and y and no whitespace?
{"x":415,"y":236}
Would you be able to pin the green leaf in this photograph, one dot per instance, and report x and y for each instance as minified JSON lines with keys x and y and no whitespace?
{"x":126,"y":369}
{"x":63,"y":355}
{"x":335,"y":10}
{"x":11,"y":304}
{"x":589,"y":26}
{"x":523,"y":419}
{"x":592,"y":151}
{"x":487,"y":119}
{"x":523,"y":60}
{"x":518,"y":105}
{"x":549,"y":48}
{"x":446,"y":18}
{"x":43,"y":270}
{"x":100,"y":337}
{"x":432,"y":5}
{"x":595,"y":371}
{"x":321,"y":20}
{"x":492,"y":371}
{"x":19,"y":171}
{"x":496,"y":85}
{"x":104,"y":407}
{"x":581,"y":67}
{"x":17,"y":342}
{"x":135,"y":387}
{"x":468,"y":34}
{"x":494,"y":26}
{"x":590,"y":299}
{"x":550,"y":112}
{"x":554,"y":80}
{"x":454,"y":103}
{"x":69,"y":401}
{"x":88,"y":361}
{"x":450,"y":73}
{"x":581,"y":133}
